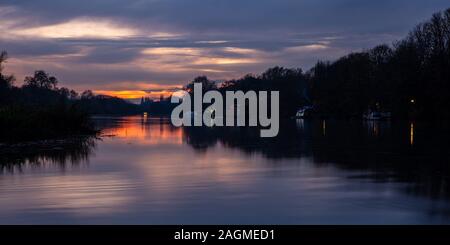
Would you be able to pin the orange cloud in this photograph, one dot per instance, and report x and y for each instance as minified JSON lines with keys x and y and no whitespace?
{"x":128,"y":94}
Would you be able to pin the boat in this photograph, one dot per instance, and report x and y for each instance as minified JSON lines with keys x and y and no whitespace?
{"x":377,"y":115}
{"x":304,"y":112}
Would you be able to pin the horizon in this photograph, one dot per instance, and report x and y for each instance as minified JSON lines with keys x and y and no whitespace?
{"x":149,"y":48}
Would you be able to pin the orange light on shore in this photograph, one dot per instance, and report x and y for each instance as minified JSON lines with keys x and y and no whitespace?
{"x":324,"y":127}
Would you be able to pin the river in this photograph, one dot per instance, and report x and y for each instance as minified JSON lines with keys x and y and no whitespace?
{"x":142,"y":170}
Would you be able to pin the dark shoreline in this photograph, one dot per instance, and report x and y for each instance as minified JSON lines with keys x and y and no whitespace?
{"x":96,"y":132}
{"x":47,"y":145}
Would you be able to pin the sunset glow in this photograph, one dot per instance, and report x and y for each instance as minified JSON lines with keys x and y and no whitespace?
{"x":135,"y":94}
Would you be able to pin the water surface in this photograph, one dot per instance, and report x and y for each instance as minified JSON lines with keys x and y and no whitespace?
{"x":144,"y":171}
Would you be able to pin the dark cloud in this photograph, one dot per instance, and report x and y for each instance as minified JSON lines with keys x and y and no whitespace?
{"x":30,"y":48}
{"x":110,"y":55}
{"x":236,"y":15}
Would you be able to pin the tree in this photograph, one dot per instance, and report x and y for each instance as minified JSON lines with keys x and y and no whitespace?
{"x":73,"y":95}
{"x":207,"y":85}
{"x":41,"y":79}
{"x":291,"y":83}
{"x":88,"y":94}
{"x":6,"y":81}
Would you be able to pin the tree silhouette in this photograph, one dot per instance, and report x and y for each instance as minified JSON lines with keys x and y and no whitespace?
{"x":6,"y":81}
{"x":41,"y":79}
{"x":411,"y":78}
{"x":207,"y":85}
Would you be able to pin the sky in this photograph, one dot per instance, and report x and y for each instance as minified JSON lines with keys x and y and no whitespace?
{"x":138,"y":48}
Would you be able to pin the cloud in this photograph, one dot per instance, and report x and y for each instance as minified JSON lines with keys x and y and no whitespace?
{"x":79,"y":28}
{"x":307,"y":48}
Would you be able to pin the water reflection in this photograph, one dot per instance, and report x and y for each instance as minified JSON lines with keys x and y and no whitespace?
{"x":324,"y":128}
{"x":381,"y":150}
{"x":146,"y":171}
{"x":141,"y":130}
{"x":60,"y":153}
{"x":383,"y":153}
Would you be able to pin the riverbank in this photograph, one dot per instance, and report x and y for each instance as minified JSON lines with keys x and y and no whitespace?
{"x":21,"y":124}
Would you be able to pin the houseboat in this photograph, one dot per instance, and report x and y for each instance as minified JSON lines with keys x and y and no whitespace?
{"x":304,"y":112}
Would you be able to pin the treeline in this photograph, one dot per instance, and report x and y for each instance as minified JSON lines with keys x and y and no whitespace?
{"x":292,"y":84}
{"x":410,"y":79}
{"x":161,"y":107}
{"x":39,"y":109}
{"x":106,"y":105}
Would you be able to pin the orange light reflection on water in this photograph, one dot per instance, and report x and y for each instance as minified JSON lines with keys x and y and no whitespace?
{"x":146,"y":131}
